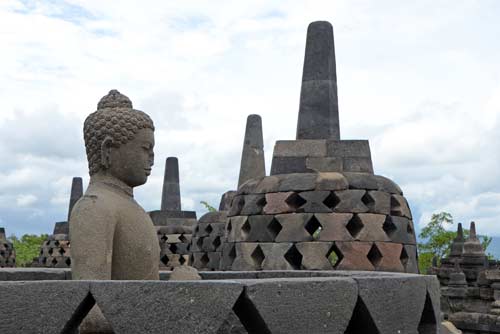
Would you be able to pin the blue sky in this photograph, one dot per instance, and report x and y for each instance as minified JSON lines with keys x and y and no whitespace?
{"x":420,"y":80}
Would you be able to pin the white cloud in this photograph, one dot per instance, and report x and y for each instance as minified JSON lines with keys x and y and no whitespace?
{"x":26,"y":200}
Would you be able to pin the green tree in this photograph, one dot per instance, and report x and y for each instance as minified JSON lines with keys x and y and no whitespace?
{"x":208,"y":206}
{"x":436,"y":240}
{"x":27,"y":248}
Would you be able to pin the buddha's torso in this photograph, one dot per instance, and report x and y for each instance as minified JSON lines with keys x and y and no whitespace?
{"x":135,"y":250}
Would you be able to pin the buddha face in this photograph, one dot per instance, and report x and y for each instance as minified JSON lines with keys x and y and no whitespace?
{"x":131,"y":162}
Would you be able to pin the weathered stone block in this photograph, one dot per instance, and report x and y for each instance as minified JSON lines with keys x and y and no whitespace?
{"x":378,"y":202}
{"x":263,"y":228}
{"x":399,"y":206}
{"x":285,"y":165}
{"x":311,"y":298}
{"x":294,"y":227}
{"x":400,"y":230}
{"x":277,"y":203}
{"x":354,"y":255}
{"x":268,"y":184}
{"x":34,"y":307}
{"x":156,"y":306}
{"x":314,"y":201}
{"x":211,"y":217}
{"x":314,"y":255}
{"x":350,"y":201}
{"x":371,"y":227}
{"x":322,"y":164}
{"x":391,"y":257}
{"x":226,"y":200}
{"x":275,"y":257}
{"x":249,"y":256}
{"x":361,"y":180}
{"x":248,"y":187}
{"x":236,"y":205}
{"x":387,"y":185}
{"x":409,"y":258}
{"x":348,"y":148}
{"x":300,"y":148}
{"x":238,"y":229}
{"x":331,"y":181}
{"x":253,"y":204}
{"x":358,"y":165}
{"x":333,"y":226}
{"x":298,"y":182}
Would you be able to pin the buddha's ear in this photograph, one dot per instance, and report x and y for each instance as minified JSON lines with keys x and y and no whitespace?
{"x":106,"y":145}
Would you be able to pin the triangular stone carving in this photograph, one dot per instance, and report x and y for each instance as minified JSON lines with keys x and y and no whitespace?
{"x":361,"y":321}
{"x":428,"y":323}
{"x":249,"y":316}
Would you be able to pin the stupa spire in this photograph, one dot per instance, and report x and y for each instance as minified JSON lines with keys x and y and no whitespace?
{"x":171,"y":194}
{"x":318,"y":111}
{"x":76,"y":193}
{"x":252,"y":156}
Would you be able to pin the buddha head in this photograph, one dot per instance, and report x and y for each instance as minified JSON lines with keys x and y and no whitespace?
{"x":119,"y":140}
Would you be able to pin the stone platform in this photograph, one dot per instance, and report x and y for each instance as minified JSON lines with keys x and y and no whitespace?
{"x":224,"y":302}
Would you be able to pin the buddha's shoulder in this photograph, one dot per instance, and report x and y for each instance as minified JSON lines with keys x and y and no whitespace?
{"x":98,"y":198}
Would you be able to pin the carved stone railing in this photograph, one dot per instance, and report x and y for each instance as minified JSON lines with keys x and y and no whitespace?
{"x":224,"y":302}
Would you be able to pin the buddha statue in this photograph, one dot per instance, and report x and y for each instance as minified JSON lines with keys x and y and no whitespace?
{"x":112,"y":237}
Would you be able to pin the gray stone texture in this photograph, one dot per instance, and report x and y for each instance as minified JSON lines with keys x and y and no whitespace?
{"x":7,"y":252}
{"x":318,"y":111}
{"x":76,"y":193}
{"x":252,"y":157}
{"x":171,"y":193}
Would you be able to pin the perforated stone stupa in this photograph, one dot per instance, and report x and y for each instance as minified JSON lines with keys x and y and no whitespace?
{"x":174,"y":227}
{"x":209,"y":236}
{"x":55,"y":251}
{"x":7,"y":252}
{"x":322,"y":207}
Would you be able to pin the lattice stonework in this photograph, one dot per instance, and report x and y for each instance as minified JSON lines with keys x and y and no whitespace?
{"x":345,"y":221}
{"x":208,"y":237}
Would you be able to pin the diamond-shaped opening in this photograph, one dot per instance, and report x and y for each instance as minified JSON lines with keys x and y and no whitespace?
{"x":294,"y":257}
{"x":295,"y":201}
{"x":389,"y":226}
{"x":62,"y":251}
{"x":216,"y":242}
{"x":196,"y":229}
{"x":331,"y":200}
{"x":164,"y":238}
{"x":199,"y":243}
{"x":262,"y":202}
{"x":274,"y":227}
{"x":68,"y":262}
{"x":354,"y":226}
{"x":164,"y":259}
{"x":56,"y":243}
{"x":173,"y":248}
{"x":245,"y":229}
{"x":209,"y":229}
{"x":51,"y":250}
{"x":2,"y":253}
{"x":183,"y":238}
{"x":368,"y":200}
{"x":374,"y":256}
{"x":182,"y":260}
{"x":404,"y":257}
{"x":258,"y":257}
{"x":229,"y":227}
{"x":54,"y":261}
{"x":335,"y":256}
{"x":204,"y":260}
{"x":313,"y":227}
{"x":44,"y":260}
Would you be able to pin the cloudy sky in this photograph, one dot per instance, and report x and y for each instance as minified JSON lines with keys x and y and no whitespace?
{"x":420,"y":80}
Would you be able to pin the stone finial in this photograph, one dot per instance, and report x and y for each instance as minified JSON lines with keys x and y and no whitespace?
{"x":114,"y":99}
{"x":76,"y":193}
{"x":252,"y":157}
{"x":318,"y":111}
{"x":472,"y":246}
{"x":457,"y":246}
{"x":2,"y":234}
{"x":61,"y":228}
{"x":171,"y":194}
{"x":457,"y":277}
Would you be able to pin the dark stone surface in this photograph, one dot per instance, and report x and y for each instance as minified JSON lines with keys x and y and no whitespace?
{"x":280,"y":302}
{"x":399,"y":313}
{"x":331,"y":181}
{"x":285,"y":165}
{"x":61,"y":228}
{"x":300,"y":148}
{"x":348,"y":148}
{"x":298,"y":182}
{"x":350,"y":201}
{"x":252,"y":158}
{"x":226,"y":199}
{"x":378,"y":202}
{"x":293,"y":227}
{"x":166,"y":307}
{"x":322,"y":164}
{"x":160,"y":217}
{"x":253,"y":204}
{"x":358,"y":164}
{"x":33,"y":274}
{"x":75,"y":194}
{"x":334,"y":226}
{"x":171,"y":194}
{"x":318,"y":111}
{"x":315,"y":201}
{"x":314,"y":255}
{"x":40,"y":307}
{"x":362,"y":180}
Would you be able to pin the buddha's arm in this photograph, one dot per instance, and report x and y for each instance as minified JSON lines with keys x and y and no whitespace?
{"x":92,"y":226}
